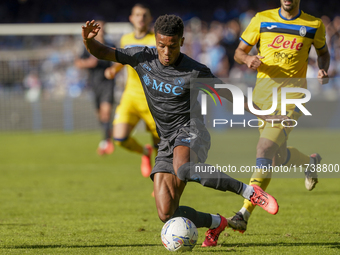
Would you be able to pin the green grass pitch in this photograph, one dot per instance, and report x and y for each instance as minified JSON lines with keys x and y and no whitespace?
{"x":58,"y":197}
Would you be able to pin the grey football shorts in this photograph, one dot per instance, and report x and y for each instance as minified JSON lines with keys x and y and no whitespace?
{"x":193,"y":135}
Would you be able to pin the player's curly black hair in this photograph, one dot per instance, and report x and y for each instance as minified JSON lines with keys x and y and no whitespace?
{"x":169,"y":25}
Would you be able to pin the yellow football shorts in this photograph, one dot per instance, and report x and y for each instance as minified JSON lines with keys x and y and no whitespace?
{"x":277,"y":132}
{"x":131,"y":109}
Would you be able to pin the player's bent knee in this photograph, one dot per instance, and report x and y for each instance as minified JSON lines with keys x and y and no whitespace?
{"x":165,"y":210}
{"x":164,"y":216}
{"x":265,"y":150}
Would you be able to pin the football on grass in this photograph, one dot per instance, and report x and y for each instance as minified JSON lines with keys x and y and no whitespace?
{"x":179,"y":234}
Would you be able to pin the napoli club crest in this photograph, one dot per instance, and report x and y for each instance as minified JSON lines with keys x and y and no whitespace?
{"x":179,"y":81}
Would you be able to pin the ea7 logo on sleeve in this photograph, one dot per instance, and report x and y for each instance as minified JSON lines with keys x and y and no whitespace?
{"x":280,"y":42}
{"x":146,"y":67}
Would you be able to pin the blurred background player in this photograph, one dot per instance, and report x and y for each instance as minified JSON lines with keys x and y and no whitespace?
{"x":103,"y":93}
{"x":286,"y":35}
{"x":133,"y":105}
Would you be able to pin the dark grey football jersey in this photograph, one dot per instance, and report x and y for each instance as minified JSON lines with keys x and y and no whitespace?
{"x":167,"y":88}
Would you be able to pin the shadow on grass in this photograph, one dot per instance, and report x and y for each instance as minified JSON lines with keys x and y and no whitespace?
{"x":48,"y":246}
{"x":335,"y":245}
{"x":229,"y":246}
{"x":233,"y":247}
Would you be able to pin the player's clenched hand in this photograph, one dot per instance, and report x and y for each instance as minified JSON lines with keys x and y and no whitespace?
{"x":90,"y":30}
{"x":253,"y":62}
{"x":323,"y":77}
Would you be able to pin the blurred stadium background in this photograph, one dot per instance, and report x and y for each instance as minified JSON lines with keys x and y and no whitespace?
{"x":58,"y":197}
{"x":41,"y":89}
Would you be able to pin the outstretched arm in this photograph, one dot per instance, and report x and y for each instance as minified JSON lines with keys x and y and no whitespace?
{"x":89,"y":32}
{"x":241,"y":56}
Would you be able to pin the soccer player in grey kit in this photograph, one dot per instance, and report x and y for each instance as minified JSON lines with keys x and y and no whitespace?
{"x":165,"y":75}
